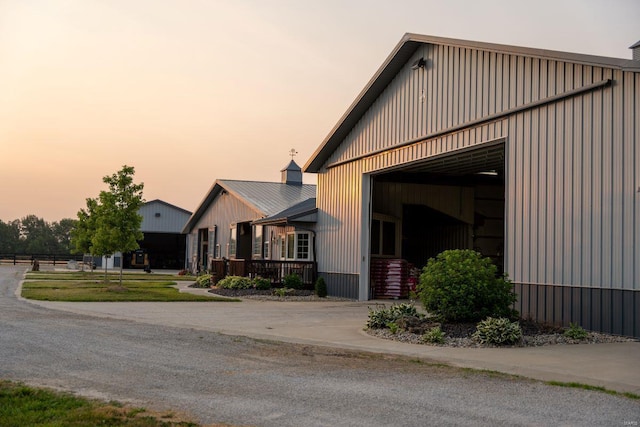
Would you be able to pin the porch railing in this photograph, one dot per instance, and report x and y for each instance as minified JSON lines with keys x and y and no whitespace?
{"x":275,"y":271}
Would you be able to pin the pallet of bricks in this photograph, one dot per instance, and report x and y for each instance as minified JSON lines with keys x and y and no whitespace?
{"x":389,"y":278}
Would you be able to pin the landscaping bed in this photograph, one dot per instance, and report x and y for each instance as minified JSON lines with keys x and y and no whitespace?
{"x":411,"y":330}
{"x":269,"y":295}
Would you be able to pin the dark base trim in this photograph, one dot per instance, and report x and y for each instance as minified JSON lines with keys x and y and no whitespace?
{"x":612,"y":311}
{"x":341,"y":285}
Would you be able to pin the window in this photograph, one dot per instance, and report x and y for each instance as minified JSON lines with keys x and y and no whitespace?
{"x":257,"y":241}
{"x":298,"y":246}
{"x":283,"y":248}
{"x":267,"y":254}
{"x":291,"y":243}
{"x":384,"y":236}
{"x":302,"y":248}
{"x":232,"y":241}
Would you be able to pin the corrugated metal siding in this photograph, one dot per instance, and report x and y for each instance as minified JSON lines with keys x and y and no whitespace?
{"x":171,"y":220}
{"x":572,"y":166}
{"x":223,"y":211}
{"x":339,"y":220}
{"x":572,"y":203}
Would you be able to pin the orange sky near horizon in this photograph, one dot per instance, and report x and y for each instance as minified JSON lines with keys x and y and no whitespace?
{"x":191,"y":91}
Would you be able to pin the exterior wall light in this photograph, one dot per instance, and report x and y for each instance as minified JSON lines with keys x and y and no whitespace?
{"x":419,"y":63}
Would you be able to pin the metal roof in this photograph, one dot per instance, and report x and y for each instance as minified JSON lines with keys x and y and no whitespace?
{"x":303,"y":212}
{"x":162,"y":202}
{"x":266,"y":198}
{"x":399,"y":57}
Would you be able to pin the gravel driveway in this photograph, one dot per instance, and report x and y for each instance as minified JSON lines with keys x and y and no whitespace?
{"x":219,"y":378}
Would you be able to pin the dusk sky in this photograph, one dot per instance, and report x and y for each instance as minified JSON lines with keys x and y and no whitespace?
{"x":188,"y":91}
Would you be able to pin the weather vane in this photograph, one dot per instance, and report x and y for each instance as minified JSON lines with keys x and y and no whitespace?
{"x":292,"y":153}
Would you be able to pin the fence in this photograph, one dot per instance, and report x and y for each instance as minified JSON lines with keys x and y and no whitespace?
{"x":54,"y":259}
{"x":275,"y":271}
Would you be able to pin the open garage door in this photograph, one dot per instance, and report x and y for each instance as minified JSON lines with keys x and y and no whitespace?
{"x":452,"y":201}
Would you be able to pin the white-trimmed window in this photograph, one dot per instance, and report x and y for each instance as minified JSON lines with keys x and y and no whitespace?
{"x":257,"y":241}
{"x":298,"y":246}
{"x":233,"y":236}
{"x":283,"y":247}
{"x":266,"y":253}
{"x":385,"y":236}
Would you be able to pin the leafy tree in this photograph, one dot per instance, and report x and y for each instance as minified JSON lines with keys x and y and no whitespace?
{"x":111,"y":223}
{"x":37,"y":235}
{"x":10,"y":237}
{"x":62,"y":234}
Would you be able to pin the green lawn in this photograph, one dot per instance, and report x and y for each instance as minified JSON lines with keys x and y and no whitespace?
{"x":76,"y":288}
{"x":26,"y":406}
{"x":99,"y":275}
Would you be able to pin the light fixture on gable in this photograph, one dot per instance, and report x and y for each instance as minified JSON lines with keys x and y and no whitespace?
{"x":419,"y":63}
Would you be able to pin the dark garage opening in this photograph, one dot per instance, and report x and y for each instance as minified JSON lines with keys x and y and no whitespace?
{"x":163,"y":251}
{"x":452,"y":202}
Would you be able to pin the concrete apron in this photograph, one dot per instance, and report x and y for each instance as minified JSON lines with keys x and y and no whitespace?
{"x":340,"y":324}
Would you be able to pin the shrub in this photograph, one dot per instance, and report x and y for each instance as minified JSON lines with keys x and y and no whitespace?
{"x":575,"y":332}
{"x":235,"y":282}
{"x":292,"y":281}
{"x":393,"y":327}
{"x":382,"y":317}
{"x":434,"y":336}
{"x":283,"y":292}
{"x":261,"y":283}
{"x":203,"y":281}
{"x":460,"y":285}
{"x":321,"y":288}
{"x":497,"y":331}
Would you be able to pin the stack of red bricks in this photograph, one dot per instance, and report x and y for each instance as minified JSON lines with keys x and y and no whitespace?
{"x":389,"y":278}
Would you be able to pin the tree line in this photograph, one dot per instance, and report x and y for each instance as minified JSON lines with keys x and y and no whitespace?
{"x":33,"y":235}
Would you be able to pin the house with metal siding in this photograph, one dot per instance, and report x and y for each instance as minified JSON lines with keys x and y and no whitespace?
{"x":224,"y":224}
{"x":530,"y":156}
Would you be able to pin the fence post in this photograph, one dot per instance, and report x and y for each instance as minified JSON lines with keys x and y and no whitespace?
{"x":14,"y":259}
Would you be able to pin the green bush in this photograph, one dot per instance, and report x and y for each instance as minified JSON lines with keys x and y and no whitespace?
{"x":292,"y":281}
{"x":283,"y":292}
{"x":460,"y":285}
{"x":321,"y":288}
{"x":575,"y":332}
{"x":203,"y":281}
{"x":393,"y":327}
{"x":382,"y":317}
{"x":497,"y":331}
{"x":235,"y":282}
{"x":261,"y":283}
{"x":434,"y":336}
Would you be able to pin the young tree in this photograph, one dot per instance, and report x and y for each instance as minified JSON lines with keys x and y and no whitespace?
{"x":118,"y":222}
{"x":111,"y":222}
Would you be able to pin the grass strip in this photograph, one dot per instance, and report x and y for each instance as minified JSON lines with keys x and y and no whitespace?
{"x":26,"y":406}
{"x":97,"y":275}
{"x":593,"y":388}
{"x":62,"y":284}
{"x":97,"y":291}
